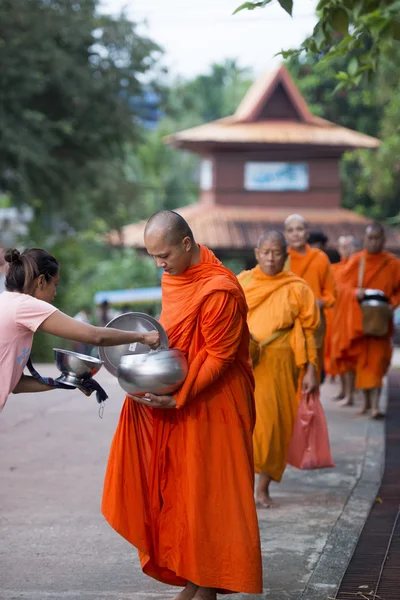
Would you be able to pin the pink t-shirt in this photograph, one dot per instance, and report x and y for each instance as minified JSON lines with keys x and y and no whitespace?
{"x":20,"y":317}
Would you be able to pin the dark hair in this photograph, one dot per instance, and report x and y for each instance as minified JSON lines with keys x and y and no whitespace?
{"x":27,"y":266}
{"x":317,"y":237}
{"x":333,"y":255}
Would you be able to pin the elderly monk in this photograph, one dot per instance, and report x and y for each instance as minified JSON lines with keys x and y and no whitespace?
{"x":283,"y":317}
{"x":180,"y":480}
{"x":371,"y":356}
{"x":312,"y":265}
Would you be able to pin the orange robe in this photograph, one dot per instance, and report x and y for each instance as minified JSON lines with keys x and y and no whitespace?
{"x":315,"y":268}
{"x":332,"y":366}
{"x":370,"y":355}
{"x":283,"y":301}
{"x":180,"y":482}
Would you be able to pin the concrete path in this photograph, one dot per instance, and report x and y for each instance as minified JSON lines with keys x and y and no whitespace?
{"x":54,"y":543}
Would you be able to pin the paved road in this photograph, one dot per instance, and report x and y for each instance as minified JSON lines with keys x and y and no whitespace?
{"x":54,"y":543}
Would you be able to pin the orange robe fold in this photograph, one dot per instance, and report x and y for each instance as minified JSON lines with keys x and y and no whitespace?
{"x":315,"y":268}
{"x":370,"y":355}
{"x":283,"y":301}
{"x":180,"y":482}
{"x":335,"y":366}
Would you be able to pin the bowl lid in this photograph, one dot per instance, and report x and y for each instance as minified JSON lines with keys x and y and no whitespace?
{"x":133,"y":321}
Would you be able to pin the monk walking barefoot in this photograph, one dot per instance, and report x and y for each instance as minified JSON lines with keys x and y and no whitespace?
{"x":372,"y":268}
{"x":283,"y":318}
{"x":180,"y":478}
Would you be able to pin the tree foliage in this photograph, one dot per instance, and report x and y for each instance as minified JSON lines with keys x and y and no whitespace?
{"x":371,"y":28}
{"x":65,"y":80}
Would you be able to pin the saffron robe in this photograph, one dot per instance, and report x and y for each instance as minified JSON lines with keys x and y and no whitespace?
{"x":334,"y":366}
{"x":180,"y":482}
{"x":315,"y":268}
{"x":370,"y":355}
{"x":279,"y":302}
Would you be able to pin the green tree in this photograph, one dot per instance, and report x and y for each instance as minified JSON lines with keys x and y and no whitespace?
{"x":369,"y":26}
{"x":66,"y":78}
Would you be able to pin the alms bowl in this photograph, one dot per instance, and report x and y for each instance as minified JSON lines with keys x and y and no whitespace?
{"x":75,"y":367}
{"x":160,"y":372}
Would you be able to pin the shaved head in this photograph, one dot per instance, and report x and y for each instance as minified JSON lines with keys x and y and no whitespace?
{"x":173,"y":227}
{"x":169,"y":240}
{"x":295,"y":217}
{"x":271,"y":252}
{"x":377,"y":227}
{"x":374,"y":238}
{"x":296,"y":233}
{"x":273,"y":236}
{"x":346,"y":246}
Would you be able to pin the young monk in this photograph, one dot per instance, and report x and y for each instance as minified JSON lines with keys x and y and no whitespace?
{"x":283,"y":317}
{"x":179,"y":482}
{"x":371,"y":355}
{"x":312,"y":265}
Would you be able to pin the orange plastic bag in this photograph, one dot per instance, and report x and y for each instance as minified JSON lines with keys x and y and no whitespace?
{"x":309,"y":447}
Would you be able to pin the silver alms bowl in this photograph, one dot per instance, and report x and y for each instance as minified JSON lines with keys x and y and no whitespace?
{"x":75,"y":368}
{"x":159,"y":372}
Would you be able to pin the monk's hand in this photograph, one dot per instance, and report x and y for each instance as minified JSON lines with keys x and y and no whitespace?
{"x":156,"y":401}
{"x":360,"y":293}
{"x":310,"y":380}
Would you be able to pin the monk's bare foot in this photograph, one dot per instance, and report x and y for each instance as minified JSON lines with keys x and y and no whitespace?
{"x":204,"y":593}
{"x":339,"y":396}
{"x":375,"y":414}
{"x":188,"y":593}
{"x":347,"y":402}
{"x":263,"y":500}
{"x":363,"y":411}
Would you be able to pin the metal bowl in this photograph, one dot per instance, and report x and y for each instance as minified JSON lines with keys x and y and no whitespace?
{"x":75,"y":368}
{"x":159,"y":372}
{"x":133,"y":321}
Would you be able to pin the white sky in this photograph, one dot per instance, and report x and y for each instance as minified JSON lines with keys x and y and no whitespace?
{"x":196,"y":33}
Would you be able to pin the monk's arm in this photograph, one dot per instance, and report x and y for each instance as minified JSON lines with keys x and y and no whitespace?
{"x":395,"y":296}
{"x":309,"y":319}
{"x":222,"y":327}
{"x":328,"y":287}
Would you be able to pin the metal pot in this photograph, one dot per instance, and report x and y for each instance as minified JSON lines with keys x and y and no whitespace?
{"x":159,"y":372}
{"x":374,"y":298}
{"x":75,"y":368}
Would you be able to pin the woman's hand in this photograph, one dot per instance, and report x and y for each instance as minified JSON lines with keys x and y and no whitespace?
{"x":152,"y":339}
{"x":155,"y":401}
{"x":310,"y":381}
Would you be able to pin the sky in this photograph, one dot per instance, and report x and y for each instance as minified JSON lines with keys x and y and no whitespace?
{"x":196,"y":33}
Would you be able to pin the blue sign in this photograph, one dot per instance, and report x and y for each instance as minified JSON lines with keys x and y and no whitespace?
{"x":276,"y":177}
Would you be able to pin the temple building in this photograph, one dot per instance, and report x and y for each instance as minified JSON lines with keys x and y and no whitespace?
{"x":273,"y":157}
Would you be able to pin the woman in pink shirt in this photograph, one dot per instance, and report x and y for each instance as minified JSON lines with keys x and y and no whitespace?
{"x":25,"y":307}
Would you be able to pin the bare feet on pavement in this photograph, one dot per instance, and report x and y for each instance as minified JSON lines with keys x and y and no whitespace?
{"x":204,"y":593}
{"x":188,"y":593}
{"x":347,"y":402}
{"x":263,"y":500}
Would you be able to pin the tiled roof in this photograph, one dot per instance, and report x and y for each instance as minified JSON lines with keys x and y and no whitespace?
{"x":247,"y":126}
{"x":226,"y":227}
{"x":227,"y":131}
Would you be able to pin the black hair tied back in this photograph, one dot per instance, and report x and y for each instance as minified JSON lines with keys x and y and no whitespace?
{"x":12,"y":255}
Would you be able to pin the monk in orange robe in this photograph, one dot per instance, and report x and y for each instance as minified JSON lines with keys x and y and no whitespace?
{"x":283,"y":317}
{"x":345,"y":369}
{"x":180,"y":479}
{"x":371,"y":356}
{"x":312,"y":265}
